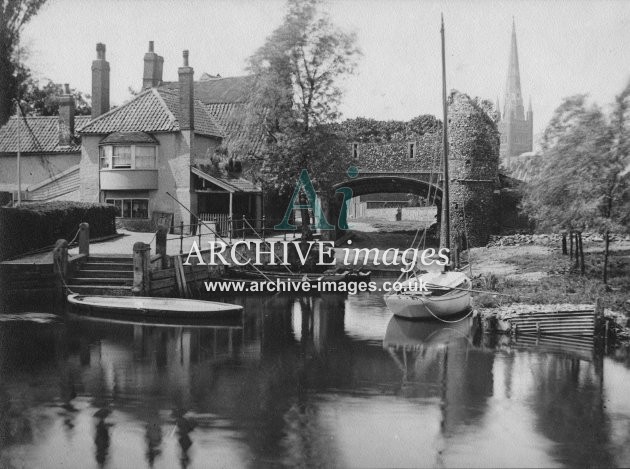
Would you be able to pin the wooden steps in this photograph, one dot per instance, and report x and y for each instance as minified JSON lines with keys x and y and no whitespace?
{"x":104,"y":275}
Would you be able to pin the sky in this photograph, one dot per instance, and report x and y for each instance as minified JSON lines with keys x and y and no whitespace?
{"x":565,"y":47}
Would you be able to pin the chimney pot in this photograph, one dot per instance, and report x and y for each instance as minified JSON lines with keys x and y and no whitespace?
{"x":185,"y":58}
{"x":66,"y":88}
{"x":150,"y":46}
{"x":100,"y":51}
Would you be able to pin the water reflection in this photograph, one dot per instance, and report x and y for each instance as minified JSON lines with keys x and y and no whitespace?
{"x":328,"y":380}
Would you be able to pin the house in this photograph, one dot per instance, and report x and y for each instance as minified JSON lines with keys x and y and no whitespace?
{"x":161,"y":142}
{"x":50,"y":151}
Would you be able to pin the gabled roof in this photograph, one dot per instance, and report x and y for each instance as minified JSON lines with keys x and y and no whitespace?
{"x":38,"y":134}
{"x":152,"y":110}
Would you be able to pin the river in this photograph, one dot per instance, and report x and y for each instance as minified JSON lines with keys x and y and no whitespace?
{"x":318,"y":381}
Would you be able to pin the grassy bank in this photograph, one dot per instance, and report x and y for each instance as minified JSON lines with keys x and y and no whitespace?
{"x":543,"y":275}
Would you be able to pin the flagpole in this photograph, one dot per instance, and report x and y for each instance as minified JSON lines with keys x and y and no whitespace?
{"x":445,"y":232}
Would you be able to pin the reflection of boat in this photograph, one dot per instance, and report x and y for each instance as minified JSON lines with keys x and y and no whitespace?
{"x":433,"y":294}
{"x":153,"y":307}
{"x":413,"y":335}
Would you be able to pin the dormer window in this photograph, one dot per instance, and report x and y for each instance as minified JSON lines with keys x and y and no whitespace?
{"x":411,"y":150}
{"x":133,"y":150}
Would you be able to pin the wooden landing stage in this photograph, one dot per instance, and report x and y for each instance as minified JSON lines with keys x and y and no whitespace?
{"x":552,"y":320}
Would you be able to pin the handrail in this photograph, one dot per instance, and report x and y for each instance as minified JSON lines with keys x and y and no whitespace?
{"x":216,"y":234}
{"x":263,"y":240}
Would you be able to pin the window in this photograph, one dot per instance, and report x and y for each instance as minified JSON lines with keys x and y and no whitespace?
{"x":106,"y":157}
{"x":128,"y":156}
{"x":355,"y":150}
{"x":130,"y":208}
{"x":412,"y":150}
{"x":121,"y":157}
{"x":145,"y":157}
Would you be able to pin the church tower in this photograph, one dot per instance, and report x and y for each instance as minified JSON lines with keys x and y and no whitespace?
{"x":515,"y":127}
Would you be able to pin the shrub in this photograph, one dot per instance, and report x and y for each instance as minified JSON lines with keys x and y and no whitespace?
{"x":37,"y":225}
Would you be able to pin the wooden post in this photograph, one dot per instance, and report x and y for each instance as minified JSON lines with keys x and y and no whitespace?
{"x":181,"y":237}
{"x":243,"y":227}
{"x":599,"y":317}
{"x":564,"y":243}
{"x":84,"y":239}
{"x":230,"y":209}
{"x":141,"y":269}
{"x":263,"y":228}
{"x":582,"y":267}
{"x":60,"y":266}
{"x":160,"y":243}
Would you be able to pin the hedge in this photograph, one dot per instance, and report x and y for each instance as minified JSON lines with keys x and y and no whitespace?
{"x":34,"y":226}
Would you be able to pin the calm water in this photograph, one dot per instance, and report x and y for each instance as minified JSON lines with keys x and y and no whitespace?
{"x":321,"y":381}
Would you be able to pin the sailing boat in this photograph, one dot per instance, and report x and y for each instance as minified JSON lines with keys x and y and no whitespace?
{"x":435,"y":294}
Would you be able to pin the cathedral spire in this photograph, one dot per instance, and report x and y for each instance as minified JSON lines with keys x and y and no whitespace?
{"x":513,"y":100}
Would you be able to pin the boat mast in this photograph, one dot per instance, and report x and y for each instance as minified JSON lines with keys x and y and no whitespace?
{"x":445,"y":231}
{"x":18,"y":113}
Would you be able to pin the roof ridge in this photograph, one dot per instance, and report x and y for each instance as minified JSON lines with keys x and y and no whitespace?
{"x":116,"y":109}
{"x":165,"y":106}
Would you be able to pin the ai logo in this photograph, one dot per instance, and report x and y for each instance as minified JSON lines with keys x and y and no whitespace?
{"x":312,"y":202}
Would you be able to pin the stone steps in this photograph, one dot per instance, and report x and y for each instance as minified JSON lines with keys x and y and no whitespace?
{"x":104,"y":275}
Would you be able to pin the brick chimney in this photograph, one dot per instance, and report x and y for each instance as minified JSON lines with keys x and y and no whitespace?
{"x":100,"y":82}
{"x":186,"y":95}
{"x":66,"y":117}
{"x":153,"y":65}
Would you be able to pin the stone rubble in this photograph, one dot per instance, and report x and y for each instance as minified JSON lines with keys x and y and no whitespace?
{"x":554,"y":239}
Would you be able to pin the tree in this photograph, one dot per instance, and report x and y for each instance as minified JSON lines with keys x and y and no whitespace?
{"x":14,"y":14}
{"x":581,"y":178}
{"x":294,"y":100}
{"x":38,"y":100}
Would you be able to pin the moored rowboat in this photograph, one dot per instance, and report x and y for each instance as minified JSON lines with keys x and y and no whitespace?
{"x":446,"y":294}
{"x":154,"y":307}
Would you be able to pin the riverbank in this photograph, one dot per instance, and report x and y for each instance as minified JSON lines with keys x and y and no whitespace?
{"x":533,"y":270}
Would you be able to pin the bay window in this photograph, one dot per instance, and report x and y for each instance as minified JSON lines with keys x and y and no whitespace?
{"x":128,"y":157}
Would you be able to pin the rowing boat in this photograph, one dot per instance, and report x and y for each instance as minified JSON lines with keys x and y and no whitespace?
{"x":153,"y":307}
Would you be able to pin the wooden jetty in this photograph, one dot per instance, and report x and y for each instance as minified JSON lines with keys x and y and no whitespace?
{"x":546,"y":320}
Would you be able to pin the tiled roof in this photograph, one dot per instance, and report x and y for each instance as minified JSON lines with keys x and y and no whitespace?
{"x":220,"y":90}
{"x":128,"y":137}
{"x":37,"y":135}
{"x":228,"y":183}
{"x":204,"y":124}
{"x":223,"y":99}
{"x":151,"y":111}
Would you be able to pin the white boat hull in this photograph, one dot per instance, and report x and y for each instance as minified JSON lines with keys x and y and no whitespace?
{"x":417,"y":305}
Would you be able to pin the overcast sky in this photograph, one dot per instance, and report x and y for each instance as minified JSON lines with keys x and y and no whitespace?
{"x":565,"y":47}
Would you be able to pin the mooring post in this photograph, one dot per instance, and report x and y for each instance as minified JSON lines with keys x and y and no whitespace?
{"x":160,"y":243}
{"x":60,"y":266}
{"x":84,"y":238}
{"x":599,"y":317}
{"x":141,"y":269}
